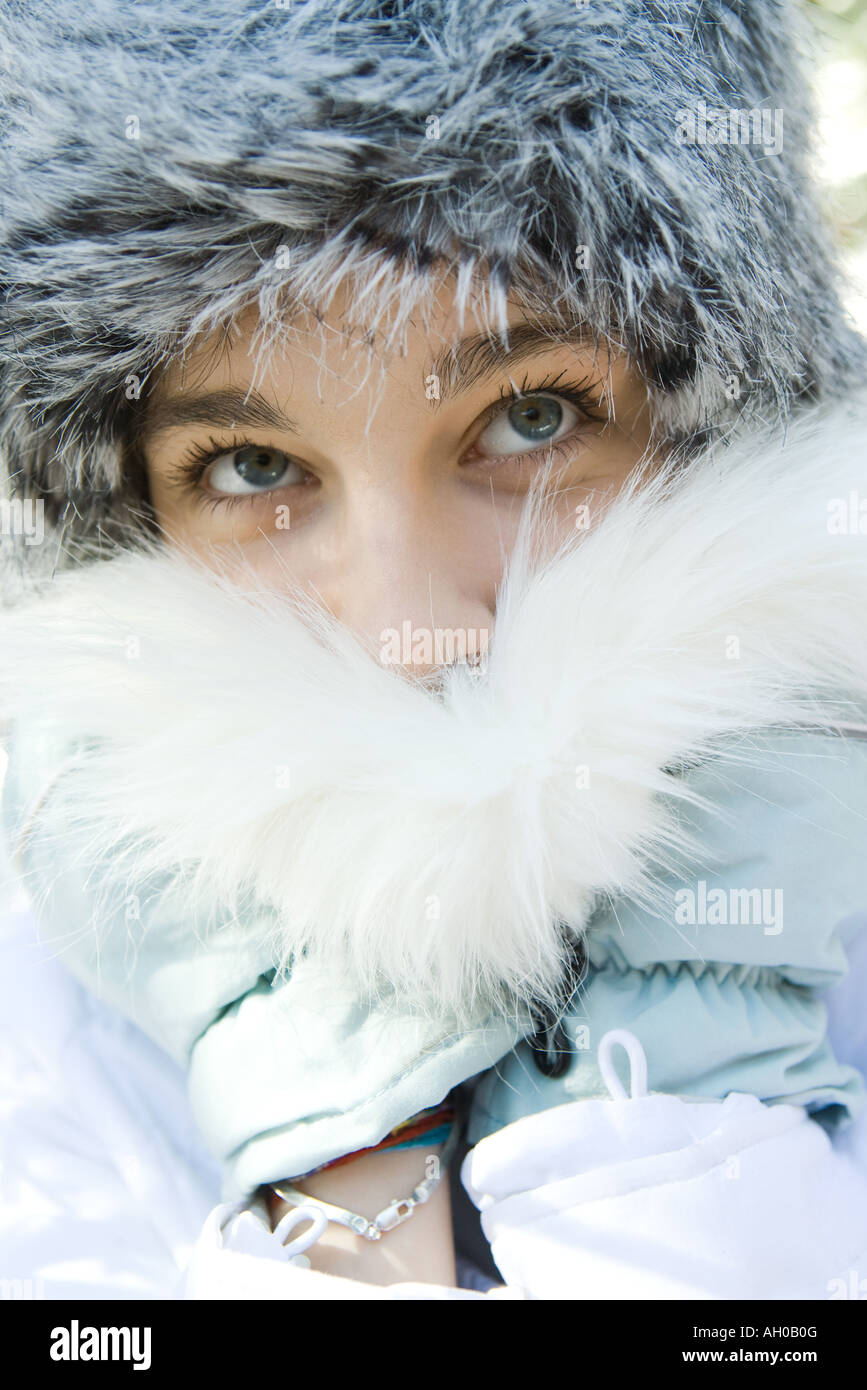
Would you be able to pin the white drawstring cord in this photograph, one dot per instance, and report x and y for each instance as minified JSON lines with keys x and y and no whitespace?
{"x":292,"y":1218}
{"x":638,"y":1064}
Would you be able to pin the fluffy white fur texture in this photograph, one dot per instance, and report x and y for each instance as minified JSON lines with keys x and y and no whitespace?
{"x":439,"y":837}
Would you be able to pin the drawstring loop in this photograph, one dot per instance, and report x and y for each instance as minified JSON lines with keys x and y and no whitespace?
{"x":292,"y":1218}
{"x":638,"y":1064}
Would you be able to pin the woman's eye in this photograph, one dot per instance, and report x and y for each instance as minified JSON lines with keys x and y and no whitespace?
{"x":528,"y":423}
{"x":252,"y":469}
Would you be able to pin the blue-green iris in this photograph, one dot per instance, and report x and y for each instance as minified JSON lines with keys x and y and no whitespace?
{"x":536,"y":417}
{"x":259,"y":467}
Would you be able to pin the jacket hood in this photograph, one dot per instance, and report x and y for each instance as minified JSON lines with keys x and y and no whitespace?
{"x":637,"y":168}
{"x":450,"y":843}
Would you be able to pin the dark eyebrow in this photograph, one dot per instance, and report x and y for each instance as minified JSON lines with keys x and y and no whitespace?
{"x":459,"y":368}
{"x":481,"y":356}
{"x":230,"y":407}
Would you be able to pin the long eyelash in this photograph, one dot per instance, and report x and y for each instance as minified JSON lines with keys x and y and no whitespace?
{"x":187,"y":473}
{"x":581,"y":394}
{"x":192,"y":465}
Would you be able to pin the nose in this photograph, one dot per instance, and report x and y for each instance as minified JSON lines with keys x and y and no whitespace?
{"x":413,"y":580}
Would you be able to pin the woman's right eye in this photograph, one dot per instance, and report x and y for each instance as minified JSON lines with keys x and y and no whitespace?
{"x":252,"y":469}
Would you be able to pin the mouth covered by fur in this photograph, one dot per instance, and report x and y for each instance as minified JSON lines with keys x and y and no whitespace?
{"x":438,"y":840}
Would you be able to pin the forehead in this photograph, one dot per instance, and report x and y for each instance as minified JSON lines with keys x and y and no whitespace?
{"x":446,"y":337}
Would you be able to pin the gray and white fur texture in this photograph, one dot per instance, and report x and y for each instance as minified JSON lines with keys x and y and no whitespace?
{"x":165,"y":164}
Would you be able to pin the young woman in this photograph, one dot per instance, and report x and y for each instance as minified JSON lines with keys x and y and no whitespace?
{"x":443,"y":659}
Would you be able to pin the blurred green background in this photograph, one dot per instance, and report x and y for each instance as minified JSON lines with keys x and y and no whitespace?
{"x":841,"y":85}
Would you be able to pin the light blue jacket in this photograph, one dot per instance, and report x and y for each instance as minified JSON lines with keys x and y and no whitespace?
{"x":724,"y":989}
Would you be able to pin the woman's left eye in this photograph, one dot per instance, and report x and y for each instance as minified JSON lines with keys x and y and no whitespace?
{"x":252,"y":469}
{"x":528,"y":423}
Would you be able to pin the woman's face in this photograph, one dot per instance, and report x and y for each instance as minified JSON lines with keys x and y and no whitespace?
{"x":389,"y":499}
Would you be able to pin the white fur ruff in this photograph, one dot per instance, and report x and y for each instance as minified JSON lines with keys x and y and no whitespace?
{"x":435,"y":840}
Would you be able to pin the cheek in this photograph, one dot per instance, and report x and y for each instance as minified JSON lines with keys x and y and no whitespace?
{"x":456,"y":548}
{"x":190,"y":521}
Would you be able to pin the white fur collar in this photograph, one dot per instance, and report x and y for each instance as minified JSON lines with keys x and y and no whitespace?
{"x":439,"y":839}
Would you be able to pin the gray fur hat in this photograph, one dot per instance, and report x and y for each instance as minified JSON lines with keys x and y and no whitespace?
{"x":637,"y":166}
